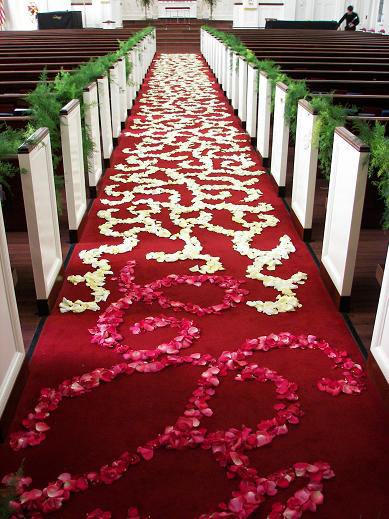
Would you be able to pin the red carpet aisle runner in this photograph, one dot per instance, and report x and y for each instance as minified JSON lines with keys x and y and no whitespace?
{"x":197,"y":367}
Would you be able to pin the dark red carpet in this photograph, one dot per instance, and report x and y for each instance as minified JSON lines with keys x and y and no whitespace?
{"x":173,"y":398}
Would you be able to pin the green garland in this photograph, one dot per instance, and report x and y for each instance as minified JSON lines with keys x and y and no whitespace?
{"x":330,"y":116}
{"x":10,"y":140}
{"x":379,"y":160}
{"x":48,"y":98}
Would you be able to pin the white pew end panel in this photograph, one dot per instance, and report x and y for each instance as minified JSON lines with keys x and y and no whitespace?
{"x":40,"y":205}
{"x":304,"y":171}
{"x":12,"y":353}
{"x":73,"y":166}
{"x":95,"y":165}
{"x":350,"y":158}
{"x":380,"y":340}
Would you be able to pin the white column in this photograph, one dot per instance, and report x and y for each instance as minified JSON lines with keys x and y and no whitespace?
{"x":252,"y":100}
{"x":304,"y":171}
{"x":105,"y":116}
{"x":91,"y":110}
{"x":279,"y":154}
{"x":115,"y":100}
{"x":264,"y":114}
{"x":242,"y":104}
{"x":11,"y":344}
{"x":235,"y":81}
{"x":40,"y":205}
{"x":122,"y":89}
{"x":350,"y":158}
{"x":380,"y":341}
{"x":73,"y":165}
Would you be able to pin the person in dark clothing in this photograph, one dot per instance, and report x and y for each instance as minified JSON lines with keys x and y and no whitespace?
{"x":351,"y":17}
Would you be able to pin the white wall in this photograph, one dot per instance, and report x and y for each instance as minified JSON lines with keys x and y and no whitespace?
{"x":293,"y":9}
{"x":18,"y":17}
{"x":133,"y":11}
{"x":222,"y":11}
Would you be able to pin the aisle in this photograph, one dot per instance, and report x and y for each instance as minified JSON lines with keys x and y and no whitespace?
{"x":192,"y":342}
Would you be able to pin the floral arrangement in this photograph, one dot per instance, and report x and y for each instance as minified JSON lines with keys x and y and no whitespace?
{"x":33,"y":9}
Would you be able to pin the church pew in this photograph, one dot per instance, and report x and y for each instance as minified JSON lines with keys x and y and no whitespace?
{"x":12,"y":353}
{"x":305,"y":167}
{"x":347,"y":187}
{"x":364,"y":101}
{"x":380,"y":339}
{"x":42,"y":217}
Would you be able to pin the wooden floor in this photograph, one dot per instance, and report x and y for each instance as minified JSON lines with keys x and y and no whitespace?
{"x":20,"y":257}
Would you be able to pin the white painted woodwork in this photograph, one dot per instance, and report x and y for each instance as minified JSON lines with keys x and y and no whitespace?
{"x":73,"y":163}
{"x":91,"y":111}
{"x":252,"y":100}
{"x":264,"y":114}
{"x":229,"y":74}
{"x":11,"y":341}
{"x":105,"y":116}
{"x":305,"y":165}
{"x":137,"y":68}
{"x":122,"y":88}
{"x":40,"y":205}
{"x":242,"y":14}
{"x":344,"y":209}
{"x":214,"y":55}
{"x":246,"y":15}
{"x":108,"y":10}
{"x":130,"y":81}
{"x":279,"y":154}
{"x":242,"y":103}
{"x":115,"y":100}
{"x":380,"y":340}
{"x":235,"y":81}
{"x":224,"y":68}
{"x":217,"y":58}
{"x":177,"y":9}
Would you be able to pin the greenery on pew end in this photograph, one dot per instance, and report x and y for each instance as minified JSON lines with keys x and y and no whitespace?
{"x":374,"y":136}
{"x":330,"y":116}
{"x":48,"y":98}
{"x":10,"y":140}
